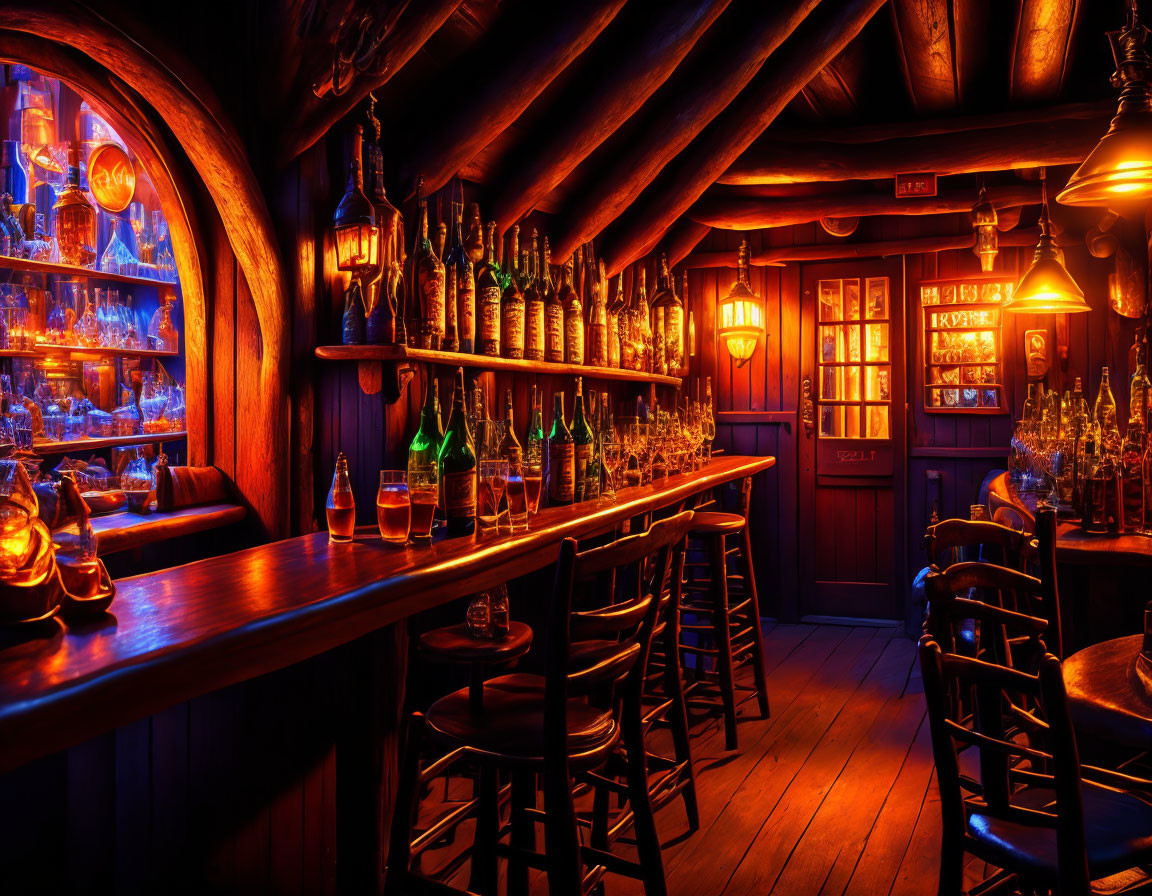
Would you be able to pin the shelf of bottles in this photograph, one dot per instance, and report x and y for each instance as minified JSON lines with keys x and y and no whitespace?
{"x":963,"y":358}
{"x":1073,"y":457}
{"x":853,"y":362}
{"x":89,"y":293}
{"x":452,"y":300}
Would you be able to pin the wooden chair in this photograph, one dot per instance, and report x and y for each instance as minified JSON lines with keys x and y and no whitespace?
{"x":1030,"y":812}
{"x":568,"y":720}
{"x":989,"y":542}
{"x":728,"y":598}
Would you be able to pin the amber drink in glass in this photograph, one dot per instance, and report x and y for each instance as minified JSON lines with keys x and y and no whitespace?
{"x":393,"y":506}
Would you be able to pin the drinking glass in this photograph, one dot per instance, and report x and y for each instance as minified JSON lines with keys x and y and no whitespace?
{"x":493,"y":481}
{"x":532,"y":470}
{"x":517,"y":497}
{"x":393,"y":506}
{"x":611,"y":454}
{"x":424,"y":491}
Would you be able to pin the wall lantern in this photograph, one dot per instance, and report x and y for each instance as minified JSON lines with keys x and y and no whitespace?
{"x":1119,"y":169}
{"x":354,"y":226}
{"x":1047,"y":287}
{"x":984,"y":221}
{"x":741,"y":314}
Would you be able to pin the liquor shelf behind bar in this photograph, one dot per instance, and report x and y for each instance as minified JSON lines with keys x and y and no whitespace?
{"x":468,"y":446}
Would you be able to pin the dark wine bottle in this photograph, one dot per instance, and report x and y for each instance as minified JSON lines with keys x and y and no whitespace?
{"x":426,"y":285}
{"x":583,"y":441}
{"x":533,"y":306}
{"x":561,"y":456}
{"x":489,"y":289}
{"x":461,"y":285}
{"x":509,"y":449}
{"x":458,"y":468}
{"x":553,"y":313}
{"x":573,"y":317}
{"x":353,"y":321}
{"x":512,"y":303}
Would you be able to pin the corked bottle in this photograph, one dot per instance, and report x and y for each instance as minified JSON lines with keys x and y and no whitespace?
{"x":534,"y":306}
{"x":489,"y":290}
{"x":598,"y":351}
{"x":553,"y":313}
{"x":426,"y":285}
{"x":512,"y":303}
{"x":573,"y":317}
{"x":460,"y":284}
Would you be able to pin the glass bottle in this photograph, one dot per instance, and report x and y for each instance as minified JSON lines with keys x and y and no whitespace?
{"x":573,"y":317}
{"x":474,"y":244}
{"x":509,"y":449}
{"x":534,"y":438}
{"x":458,"y":468}
{"x":426,"y":283}
{"x":673,"y":324}
{"x":614,"y":308}
{"x":424,"y":449}
{"x":598,"y":321}
{"x":166,"y":337}
{"x":488,"y":293}
{"x":75,"y":542}
{"x":553,"y":313}
{"x":498,"y":611}
{"x":512,"y":303}
{"x":561,"y":457}
{"x":533,"y":305}
{"x":353,"y":325}
{"x":478,"y":617}
{"x":1104,"y":412}
{"x":584,"y":442}
{"x":461,"y":284}
{"x":75,"y":217}
{"x":1132,"y":476}
{"x":1139,"y":386}
{"x":15,"y":178}
{"x":341,"y":506}
{"x":640,"y":347}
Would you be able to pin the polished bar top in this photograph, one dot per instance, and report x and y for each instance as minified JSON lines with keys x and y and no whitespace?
{"x":124,"y":530}
{"x":1073,"y":544}
{"x":182,"y":632}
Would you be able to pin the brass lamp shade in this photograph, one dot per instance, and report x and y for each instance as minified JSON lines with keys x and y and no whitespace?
{"x":1046,"y":287}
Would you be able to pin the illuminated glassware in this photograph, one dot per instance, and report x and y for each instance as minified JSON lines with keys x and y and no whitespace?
{"x":984,"y":222}
{"x":1119,"y":169}
{"x":741,"y":314}
{"x":75,"y":217}
{"x":1047,"y":287}
{"x":354,"y":226}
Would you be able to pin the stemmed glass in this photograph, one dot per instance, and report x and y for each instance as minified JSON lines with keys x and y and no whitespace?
{"x":493,"y":481}
{"x":611,"y":454}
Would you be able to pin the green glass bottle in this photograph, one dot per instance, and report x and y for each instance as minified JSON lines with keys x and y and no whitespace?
{"x":458,"y":468}
{"x":534,"y":438}
{"x":424,"y":450}
{"x":584,"y":441}
{"x":561,"y":456}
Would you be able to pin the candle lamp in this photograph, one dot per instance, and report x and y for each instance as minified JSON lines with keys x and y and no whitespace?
{"x":741,"y":314}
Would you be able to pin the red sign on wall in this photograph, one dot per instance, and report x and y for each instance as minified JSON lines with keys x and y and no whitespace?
{"x":917,"y":184}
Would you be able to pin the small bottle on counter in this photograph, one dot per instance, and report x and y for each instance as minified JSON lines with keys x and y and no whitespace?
{"x":341,"y":507}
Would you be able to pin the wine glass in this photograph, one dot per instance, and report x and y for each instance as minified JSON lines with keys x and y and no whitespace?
{"x":611,"y":453}
{"x":493,"y":481}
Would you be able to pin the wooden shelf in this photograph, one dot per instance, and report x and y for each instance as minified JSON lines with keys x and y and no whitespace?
{"x":70,"y":270}
{"x":79,"y":351}
{"x":400,"y":354}
{"x":19,"y":353}
{"x":108,"y":442}
{"x":124,"y":530}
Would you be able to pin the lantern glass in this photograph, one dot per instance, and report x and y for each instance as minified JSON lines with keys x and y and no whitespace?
{"x":987,"y":244}
{"x":741,"y":325}
{"x":357,"y":247}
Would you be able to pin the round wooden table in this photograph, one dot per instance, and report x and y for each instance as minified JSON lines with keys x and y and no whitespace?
{"x":1106,"y":697}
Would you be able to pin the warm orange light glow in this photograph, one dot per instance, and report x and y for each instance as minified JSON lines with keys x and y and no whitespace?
{"x":741,"y":326}
{"x":357,"y":247}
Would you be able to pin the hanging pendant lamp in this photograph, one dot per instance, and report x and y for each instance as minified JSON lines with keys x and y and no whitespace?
{"x":741,"y":314}
{"x":1119,"y":169}
{"x":984,"y":222}
{"x":1047,"y":287}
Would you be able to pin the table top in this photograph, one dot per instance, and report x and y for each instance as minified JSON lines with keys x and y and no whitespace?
{"x":182,"y":632}
{"x":1106,"y":697}
{"x":124,"y":530}
{"x":1073,"y":544}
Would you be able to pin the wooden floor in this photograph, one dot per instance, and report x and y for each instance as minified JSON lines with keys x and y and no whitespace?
{"x":834,"y":794}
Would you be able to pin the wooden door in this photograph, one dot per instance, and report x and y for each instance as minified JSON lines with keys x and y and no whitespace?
{"x":851,"y":486}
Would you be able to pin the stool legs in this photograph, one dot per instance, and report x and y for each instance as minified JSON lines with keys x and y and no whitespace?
{"x":723,"y":635}
{"x":523,"y":830}
{"x":678,"y":713}
{"x":484,"y":869}
{"x":644,"y":821}
{"x":404,"y":810}
{"x":759,"y":669}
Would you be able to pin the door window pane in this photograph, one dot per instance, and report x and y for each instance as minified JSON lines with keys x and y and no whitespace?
{"x":877,"y":304}
{"x":831,"y":307}
{"x":877,"y":422}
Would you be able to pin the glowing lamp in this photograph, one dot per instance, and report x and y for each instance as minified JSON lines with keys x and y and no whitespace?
{"x":354,"y":226}
{"x":741,"y":314}
{"x":1047,"y":287}
{"x":984,"y":222}
{"x":1119,"y":169}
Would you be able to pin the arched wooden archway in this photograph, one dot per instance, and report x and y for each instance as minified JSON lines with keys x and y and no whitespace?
{"x":135,"y":90}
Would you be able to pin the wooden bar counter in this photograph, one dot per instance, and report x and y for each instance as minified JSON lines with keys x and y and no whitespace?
{"x":173,"y":635}
{"x":1102,"y":578}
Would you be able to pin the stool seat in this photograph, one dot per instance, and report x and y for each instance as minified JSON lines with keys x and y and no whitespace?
{"x":454,"y":644}
{"x":711,"y":523}
{"x":511,"y":724}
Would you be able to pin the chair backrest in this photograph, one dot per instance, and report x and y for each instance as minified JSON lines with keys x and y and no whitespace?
{"x":622,"y":629}
{"x":986,"y":541}
{"x":1045,"y":756}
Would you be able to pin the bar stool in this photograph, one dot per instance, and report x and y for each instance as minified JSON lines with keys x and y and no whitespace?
{"x":454,"y":644}
{"x":568,"y":720}
{"x":735,"y":631}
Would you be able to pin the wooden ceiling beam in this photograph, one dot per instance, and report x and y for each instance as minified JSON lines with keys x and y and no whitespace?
{"x":314,"y":116}
{"x":511,"y":72}
{"x":681,"y":238}
{"x":702,"y":87}
{"x":778,"y":255}
{"x":1042,"y":47}
{"x":680,"y":184}
{"x":1049,"y":142}
{"x":925,"y":39}
{"x":634,"y":56}
{"x":735,"y":212}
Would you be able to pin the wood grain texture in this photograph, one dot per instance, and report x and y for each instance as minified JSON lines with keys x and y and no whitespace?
{"x":708,"y":80}
{"x":925,"y":37}
{"x":631,"y":59}
{"x":512,"y":74}
{"x":126,"y":531}
{"x":1042,"y":48}
{"x":183,"y":632}
{"x":726,"y":208}
{"x":816,"y":42}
